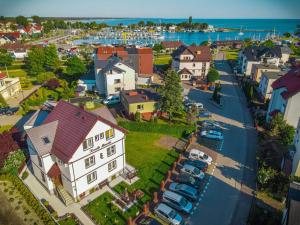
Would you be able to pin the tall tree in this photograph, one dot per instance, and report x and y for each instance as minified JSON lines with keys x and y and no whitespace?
{"x":268,"y":43}
{"x":190,"y":21}
{"x":171,"y":94}
{"x":5,"y":58}
{"x":75,"y":67}
{"x":35,"y":61}
{"x":213,"y":75}
{"x":141,"y":23}
{"x":37,"y":19}
{"x":51,"y":57}
{"x":22,"y":21}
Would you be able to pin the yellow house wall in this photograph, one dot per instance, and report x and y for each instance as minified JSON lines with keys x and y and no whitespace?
{"x":148,"y":107}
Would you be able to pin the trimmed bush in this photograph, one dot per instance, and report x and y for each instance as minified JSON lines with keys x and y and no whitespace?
{"x":24,"y":175}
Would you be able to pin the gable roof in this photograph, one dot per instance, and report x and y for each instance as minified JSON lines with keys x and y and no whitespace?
{"x":140,"y":95}
{"x":105,"y":113}
{"x":72,"y":126}
{"x":111,"y":64}
{"x":171,"y":44}
{"x":2,"y":75}
{"x":54,"y":171}
{"x":200,"y":53}
{"x":254,"y":53}
{"x":185,"y":71}
{"x":291,"y":81}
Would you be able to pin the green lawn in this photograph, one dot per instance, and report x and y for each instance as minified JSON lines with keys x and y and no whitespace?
{"x":162,"y":59}
{"x":67,"y":221}
{"x":232,"y":54}
{"x":152,"y":163}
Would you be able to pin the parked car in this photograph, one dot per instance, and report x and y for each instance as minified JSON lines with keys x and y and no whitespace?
{"x":8,"y":111}
{"x":201,"y":165}
{"x":177,"y":201}
{"x":210,"y":123}
{"x":185,"y":190}
{"x":146,"y":220}
{"x":212,"y":134}
{"x":168,"y":214}
{"x":193,"y":171}
{"x":199,"y":155}
{"x":197,"y":105}
{"x":189,"y":180}
{"x":204,"y":114}
{"x":113,"y":99}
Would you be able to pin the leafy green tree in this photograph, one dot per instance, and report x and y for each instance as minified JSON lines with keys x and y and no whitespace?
{"x":5,"y":59}
{"x":75,"y":67}
{"x":44,"y":76}
{"x":150,"y":24}
{"x":141,"y":23}
{"x":247,"y":42}
{"x":13,"y":162}
{"x":250,"y":93}
{"x":48,"y":26}
{"x":204,"y":43}
{"x":190,"y":21}
{"x":22,"y":21}
{"x":37,"y":19}
{"x":35,"y":61}
{"x":213,"y":75}
{"x":287,"y":34}
{"x":138,"y":117}
{"x":3,"y":103}
{"x":171,"y":94}
{"x":158,"y":47}
{"x":268,"y":43}
{"x":265,"y":175}
{"x":51,"y":57}
{"x":287,"y":133}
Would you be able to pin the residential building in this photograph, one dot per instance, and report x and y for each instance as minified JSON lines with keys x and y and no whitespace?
{"x":73,"y":151}
{"x":171,"y":45}
{"x":265,"y":84}
{"x":191,"y":61}
{"x":138,"y":58}
{"x":296,"y":158}
{"x":291,"y":215}
{"x":257,"y":55}
{"x":17,"y":50}
{"x":144,"y":101}
{"x":172,"y":29}
{"x":258,"y":69}
{"x":88,"y":81}
{"x":31,"y":29}
{"x":285,"y":54}
{"x":115,"y":77}
{"x":9,"y":87}
{"x":286,"y":97}
{"x":236,"y":44}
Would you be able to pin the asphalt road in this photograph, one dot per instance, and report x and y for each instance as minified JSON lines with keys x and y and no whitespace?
{"x":226,"y":199}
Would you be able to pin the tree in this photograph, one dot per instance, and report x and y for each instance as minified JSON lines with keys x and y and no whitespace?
{"x":44,"y":76}
{"x":150,"y":24}
{"x":138,"y":117}
{"x":51,"y":57}
{"x":250,"y":93}
{"x":287,"y":133}
{"x":37,"y":19}
{"x":158,"y":47}
{"x":171,"y":94}
{"x":287,"y":34}
{"x":247,"y":42}
{"x":52,"y":84}
{"x":22,"y":21}
{"x":35,"y":61}
{"x":141,"y":23}
{"x":268,"y":43}
{"x":3,"y":103}
{"x":5,"y":59}
{"x":48,"y":26}
{"x":75,"y":67}
{"x":190,"y":21}
{"x":204,"y":43}
{"x":213,"y":75}
{"x":265,"y":175}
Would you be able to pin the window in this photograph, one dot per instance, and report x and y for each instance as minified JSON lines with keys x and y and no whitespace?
{"x":43,"y":177}
{"x":60,"y":162}
{"x":117,"y":89}
{"x":117,"y":81}
{"x":112,"y":165}
{"x":91,"y":177}
{"x":109,"y":133}
{"x":88,"y":143}
{"x":102,"y":135}
{"x":46,"y":140}
{"x":97,"y":137}
{"x":89,"y":161}
{"x":101,"y":155}
{"x":111,"y":150}
{"x":40,"y":161}
{"x":194,"y":64}
{"x":140,"y":107}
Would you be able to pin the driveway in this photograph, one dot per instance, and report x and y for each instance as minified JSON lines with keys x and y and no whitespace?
{"x":226,"y":198}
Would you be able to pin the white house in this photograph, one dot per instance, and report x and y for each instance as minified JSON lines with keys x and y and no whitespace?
{"x":286,"y":97}
{"x":265,"y":84}
{"x":116,"y":76}
{"x":9,"y":87}
{"x":256,"y":55}
{"x":191,"y":61}
{"x":296,"y":159}
{"x":73,"y":151}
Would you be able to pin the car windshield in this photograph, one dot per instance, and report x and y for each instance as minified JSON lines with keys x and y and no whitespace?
{"x":183,"y":202}
{"x":172,"y":214}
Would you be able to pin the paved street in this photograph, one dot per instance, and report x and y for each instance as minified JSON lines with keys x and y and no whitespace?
{"x":227,"y":196}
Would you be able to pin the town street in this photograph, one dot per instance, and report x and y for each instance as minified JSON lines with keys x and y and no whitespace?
{"x":226,"y":199}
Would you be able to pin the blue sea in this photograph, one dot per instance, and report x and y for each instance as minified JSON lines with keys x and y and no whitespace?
{"x":263,"y":28}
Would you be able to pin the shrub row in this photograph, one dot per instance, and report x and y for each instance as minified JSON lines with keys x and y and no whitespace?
{"x":29,"y":198}
{"x":173,"y":130}
{"x":13,"y":67}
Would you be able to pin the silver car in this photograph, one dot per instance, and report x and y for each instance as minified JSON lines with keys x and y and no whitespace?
{"x":168,"y":214}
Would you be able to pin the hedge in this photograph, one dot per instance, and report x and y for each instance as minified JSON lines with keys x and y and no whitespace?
{"x":173,"y":130}
{"x":29,"y":198}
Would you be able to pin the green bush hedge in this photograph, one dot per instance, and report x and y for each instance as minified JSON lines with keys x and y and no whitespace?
{"x":29,"y":198}
{"x":173,"y":130}
{"x":13,"y":67}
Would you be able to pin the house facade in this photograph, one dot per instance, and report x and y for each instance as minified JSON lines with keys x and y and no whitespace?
{"x":171,"y":45}
{"x":296,"y":158}
{"x":286,"y":97}
{"x":9,"y":87}
{"x":115,"y":77}
{"x":191,"y":62}
{"x":265,"y":84}
{"x":252,"y":55}
{"x":73,"y":151}
{"x":258,"y":69}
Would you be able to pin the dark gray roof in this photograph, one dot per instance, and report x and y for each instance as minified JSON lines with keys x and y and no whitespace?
{"x":143,"y":95}
{"x":286,"y":50}
{"x":99,"y":64}
{"x":272,"y":75}
{"x":254,"y":53}
{"x":105,"y":113}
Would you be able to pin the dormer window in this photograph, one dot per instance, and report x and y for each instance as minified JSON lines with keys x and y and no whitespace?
{"x":46,"y":140}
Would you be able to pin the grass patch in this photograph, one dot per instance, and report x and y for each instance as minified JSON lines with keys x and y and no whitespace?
{"x":162,"y":59}
{"x":172,"y":130}
{"x":5,"y":128}
{"x":67,"y":221}
{"x":232,"y":54}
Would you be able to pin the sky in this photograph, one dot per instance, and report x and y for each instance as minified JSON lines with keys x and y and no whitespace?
{"x":286,"y":9}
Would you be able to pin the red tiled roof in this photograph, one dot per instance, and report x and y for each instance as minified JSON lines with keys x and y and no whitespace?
{"x":2,"y":75}
{"x":185,"y":71}
{"x":74,"y":124}
{"x":104,"y":52}
{"x":290,"y":81}
{"x":171,"y":44}
{"x":54,"y":171}
{"x":14,"y":34}
{"x":200,"y":53}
